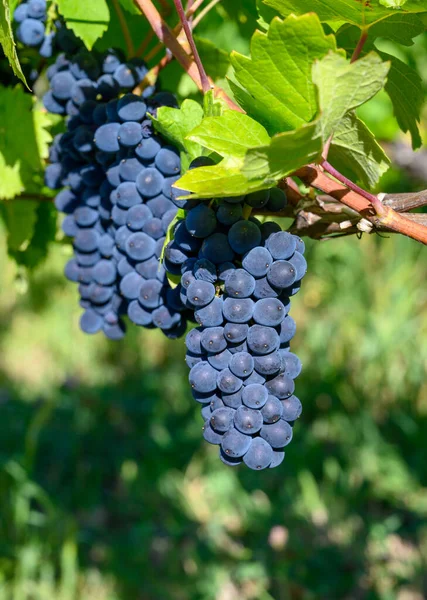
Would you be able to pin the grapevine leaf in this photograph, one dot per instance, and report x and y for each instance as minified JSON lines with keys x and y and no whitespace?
{"x":280,"y":93}
{"x":265,"y":15}
{"x":174,"y":280}
{"x":355,"y":152}
{"x":285,"y":153}
{"x":343,"y":86}
{"x":176,"y":123}
{"x":23,"y":140}
{"x":88,"y":20}
{"x":20,"y":217}
{"x":404,"y":86}
{"x":400,"y":28}
{"x":231,"y":134}
{"x":33,"y":253}
{"x":10,"y":179}
{"x":169,"y":234}
{"x":259,"y":169}
{"x":42,"y":122}
{"x":7,"y":41}
{"x":362,"y":13}
{"x":212,"y":106}
{"x":221,"y":180}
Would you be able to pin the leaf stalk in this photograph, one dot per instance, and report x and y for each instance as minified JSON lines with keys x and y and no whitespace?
{"x":189,"y":34}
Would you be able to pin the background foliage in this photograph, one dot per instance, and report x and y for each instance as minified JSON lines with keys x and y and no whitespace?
{"x":106,"y":489}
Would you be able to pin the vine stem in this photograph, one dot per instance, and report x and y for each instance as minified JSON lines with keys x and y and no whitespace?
{"x":189,"y":5}
{"x":405,"y":202}
{"x":176,"y":30}
{"x":206,"y":86}
{"x":360,"y":44}
{"x":313,"y":175}
{"x":167,"y":37}
{"x":151,"y":77}
{"x":150,"y":36}
{"x":376,"y":203}
{"x":124,"y":27}
{"x":192,"y":7}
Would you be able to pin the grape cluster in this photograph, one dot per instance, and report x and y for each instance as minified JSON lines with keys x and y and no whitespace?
{"x":117,"y":176}
{"x":238,"y":276}
{"x":31,"y":31}
{"x":140,"y":171}
{"x":90,"y":79}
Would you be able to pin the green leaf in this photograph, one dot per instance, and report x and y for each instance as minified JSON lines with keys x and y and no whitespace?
{"x":213,"y":107}
{"x":265,"y":15}
{"x":20,"y":217}
{"x":89,"y":20}
{"x":405,"y":88}
{"x":362,"y":13}
{"x":400,"y":28}
{"x":284,"y":154}
{"x":174,"y":280}
{"x":219,"y":181}
{"x":7,"y":41}
{"x":280,"y":93}
{"x":23,"y":141}
{"x":176,"y":123}
{"x":10,"y":179}
{"x":33,"y":253}
{"x":356,"y":153}
{"x":343,"y":86}
{"x":231,"y":134}
{"x":42,"y":122}
{"x":259,"y":169}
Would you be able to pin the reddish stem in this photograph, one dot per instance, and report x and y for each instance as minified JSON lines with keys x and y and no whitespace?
{"x":360,"y":44}
{"x":188,"y":32}
{"x":167,"y":37}
{"x":376,"y":203}
{"x":388,"y":218}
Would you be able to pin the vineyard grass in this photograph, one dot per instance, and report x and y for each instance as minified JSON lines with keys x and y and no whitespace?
{"x":108,"y":492}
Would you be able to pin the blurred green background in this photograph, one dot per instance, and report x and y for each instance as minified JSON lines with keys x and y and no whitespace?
{"x":107,"y":490}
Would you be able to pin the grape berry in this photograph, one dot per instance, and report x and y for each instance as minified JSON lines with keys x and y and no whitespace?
{"x":30,"y":18}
